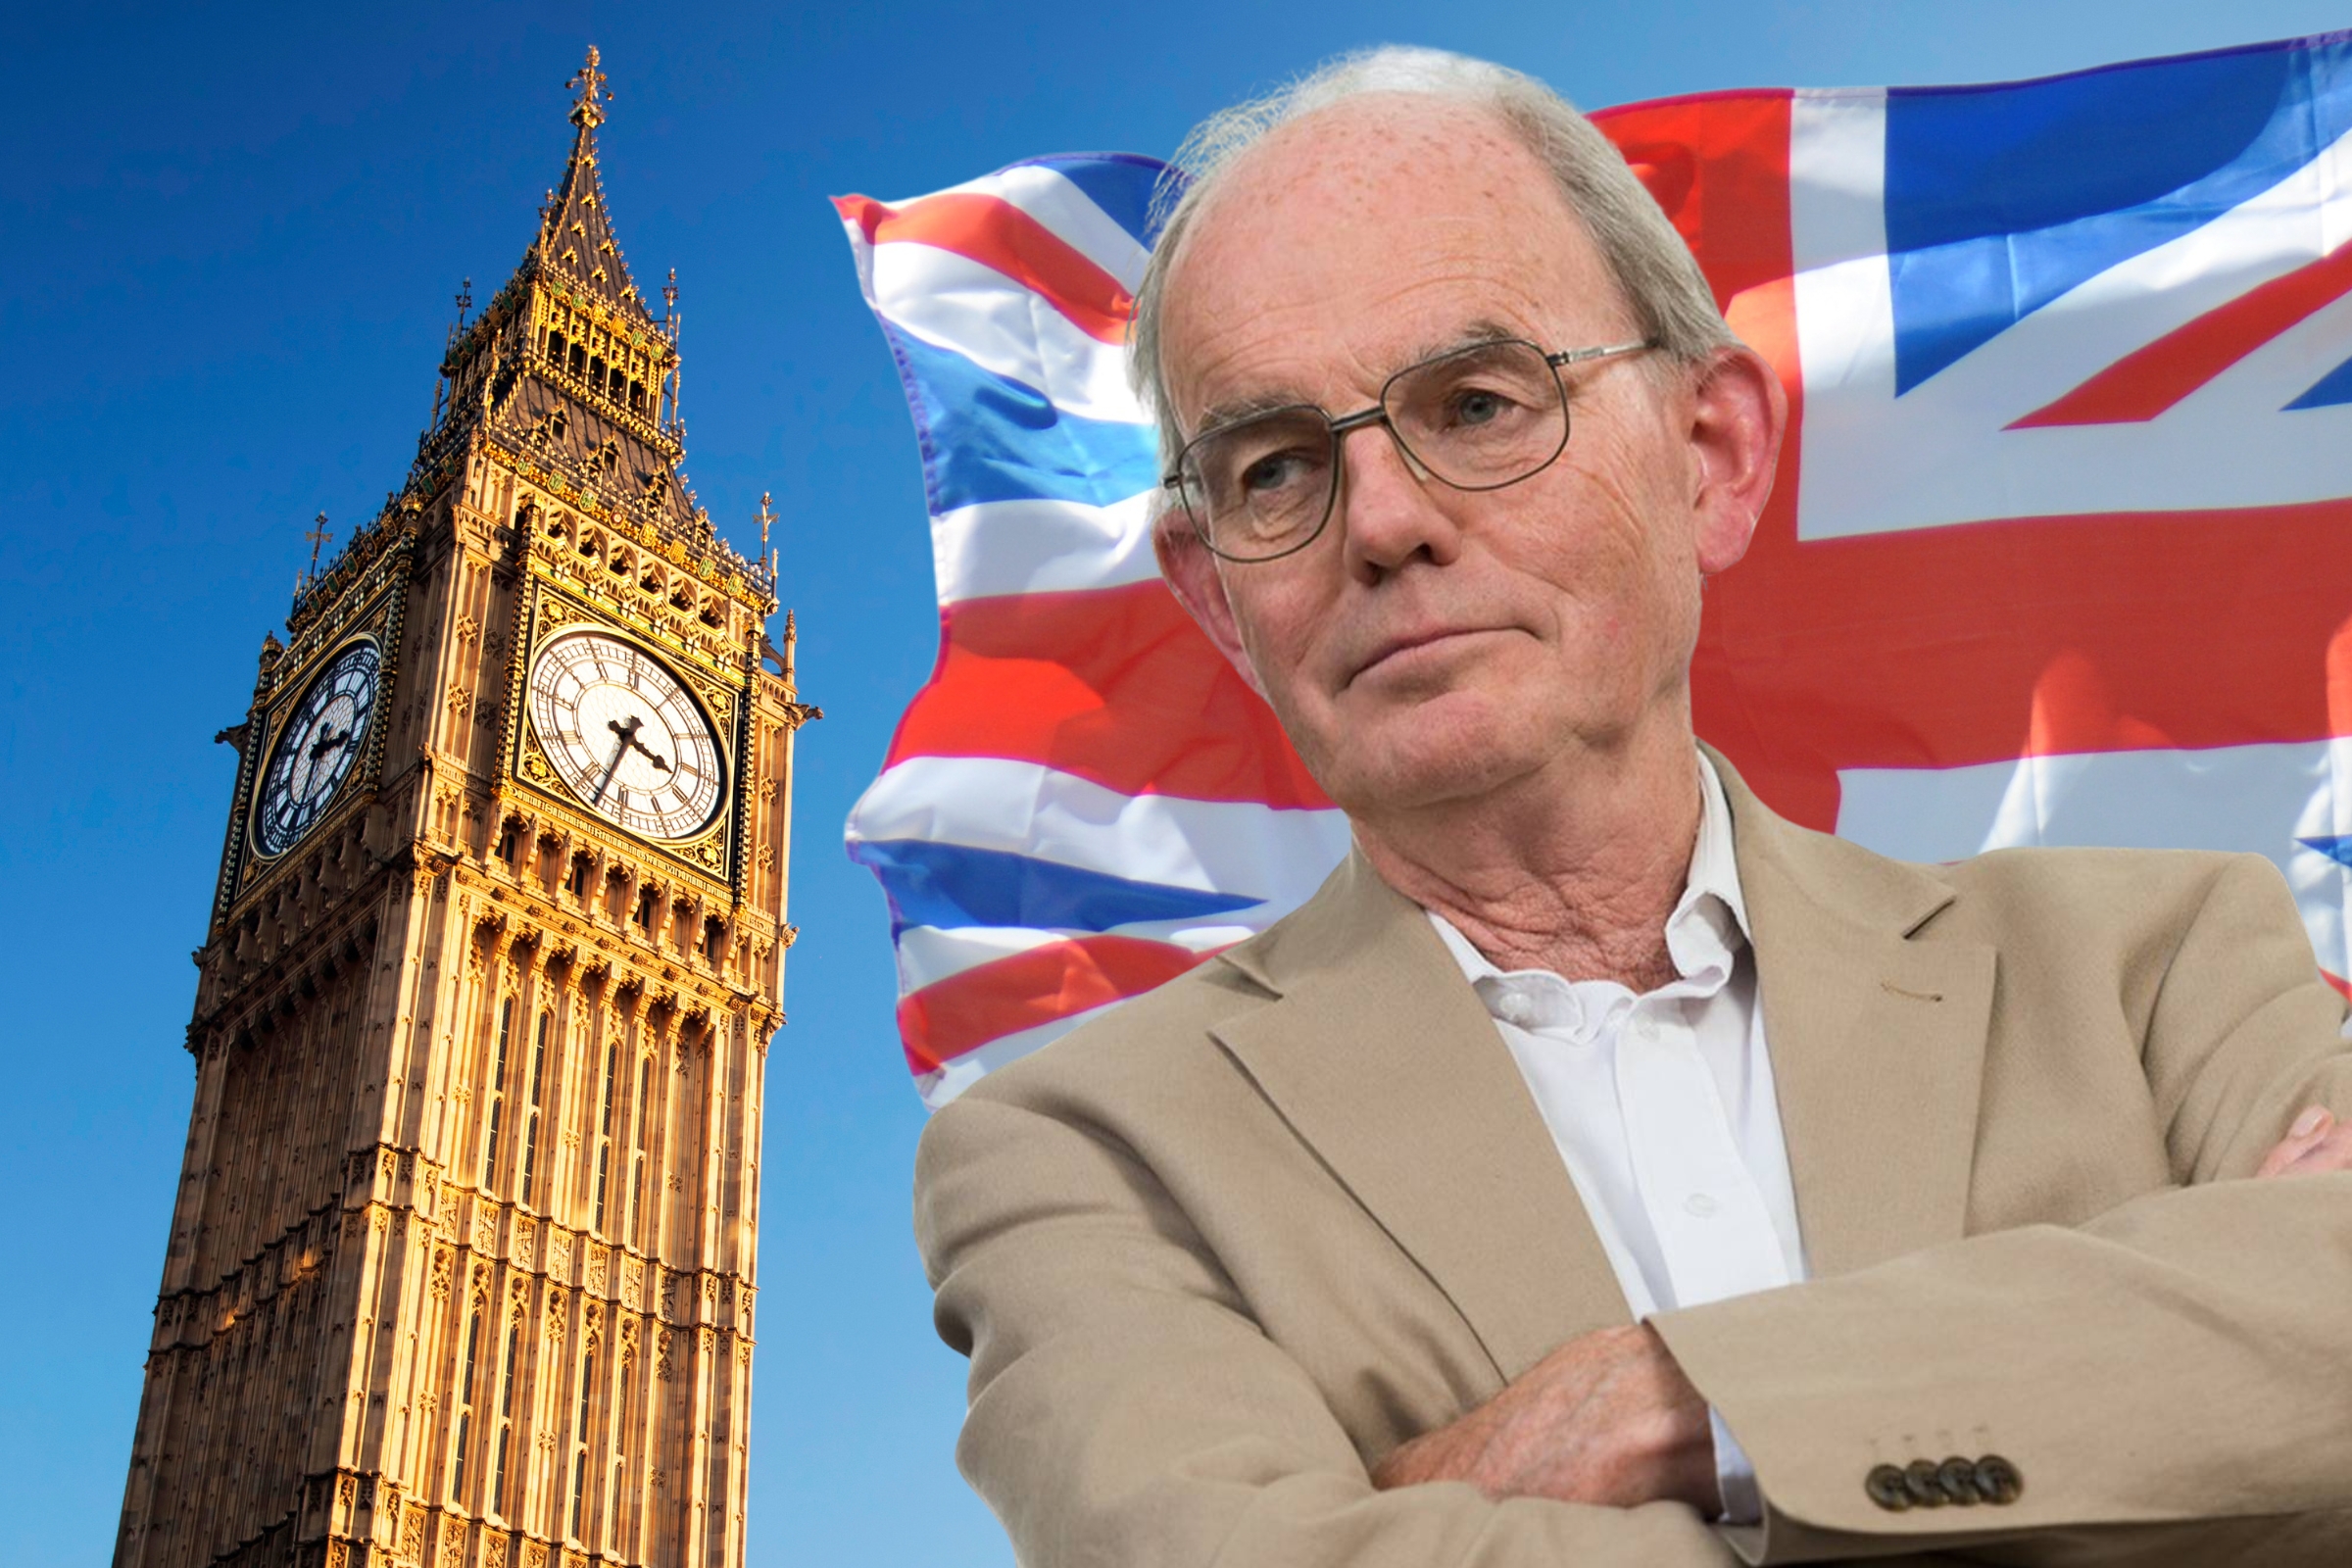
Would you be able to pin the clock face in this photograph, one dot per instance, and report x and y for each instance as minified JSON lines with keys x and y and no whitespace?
{"x":317,"y":748}
{"x":625,"y":736}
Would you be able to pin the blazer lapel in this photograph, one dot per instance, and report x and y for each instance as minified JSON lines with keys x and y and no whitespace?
{"x":1383,"y":1062}
{"x":1877,"y":1039}
{"x":1381,"y":1058}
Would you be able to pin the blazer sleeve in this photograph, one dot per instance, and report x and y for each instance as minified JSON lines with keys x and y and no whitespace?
{"x":2175,"y":1371}
{"x":1126,"y":1409}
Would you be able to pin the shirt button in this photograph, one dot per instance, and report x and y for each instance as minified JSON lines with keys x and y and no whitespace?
{"x":1516,"y":1007}
{"x":1700,"y":1207}
{"x":1645,"y":1029}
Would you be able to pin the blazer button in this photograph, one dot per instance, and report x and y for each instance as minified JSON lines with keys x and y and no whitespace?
{"x":1997,"y":1479}
{"x":1884,"y":1484}
{"x":1926,"y":1486}
{"x":1958,"y":1478}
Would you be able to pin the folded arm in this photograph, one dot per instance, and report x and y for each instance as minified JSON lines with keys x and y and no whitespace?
{"x":2178,"y":1359}
{"x":1127,"y":1409}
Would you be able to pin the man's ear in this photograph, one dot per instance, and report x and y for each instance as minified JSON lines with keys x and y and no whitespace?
{"x":1739,"y":414}
{"x":1193,"y":576}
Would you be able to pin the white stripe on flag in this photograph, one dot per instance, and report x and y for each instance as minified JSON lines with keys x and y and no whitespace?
{"x":961,"y":304}
{"x":2261,"y":799}
{"x":1023,"y":547}
{"x":1838,"y":164}
{"x":929,"y":953}
{"x":1844,"y":304}
{"x":1243,"y":848}
{"x":1065,"y":212}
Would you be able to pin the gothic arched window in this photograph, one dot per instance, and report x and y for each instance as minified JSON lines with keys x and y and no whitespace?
{"x":465,"y":1369}
{"x":498,"y":1092}
{"x":530,"y":1127}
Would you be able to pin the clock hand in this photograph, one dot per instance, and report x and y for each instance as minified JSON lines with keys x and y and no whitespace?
{"x":330,"y":742}
{"x":651,"y":756}
{"x":627,"y":734}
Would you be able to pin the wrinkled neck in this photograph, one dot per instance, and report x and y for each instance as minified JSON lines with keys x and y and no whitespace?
{"x":1573,"y":868}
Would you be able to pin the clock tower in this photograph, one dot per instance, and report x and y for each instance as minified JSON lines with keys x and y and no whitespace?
{"x":464,"y":1257}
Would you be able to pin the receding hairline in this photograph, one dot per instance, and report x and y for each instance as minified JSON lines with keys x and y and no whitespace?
{"x":1230,"y":172}
{"x":1475,"y":327}
{"x":1651,"y":269}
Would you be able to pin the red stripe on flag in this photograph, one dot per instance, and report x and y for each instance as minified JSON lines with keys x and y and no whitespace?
{"x":1718,"y":163}
{"x":1943,"y":647}
{"x":999,"y":235}
{"x":1116,"y":685}
{"x":967,"y":1011}
{"x":2148,"y":381}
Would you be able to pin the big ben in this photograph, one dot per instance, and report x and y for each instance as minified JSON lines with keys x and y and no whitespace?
{"x":463,"y":1259}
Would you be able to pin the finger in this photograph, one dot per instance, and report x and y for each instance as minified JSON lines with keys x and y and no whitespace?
{"x":2279,"y":1158}
{"x":2331,"y":1153}
{"x":2325,"y":1150}
{"x":2310,"y":1127}
{"x":2283,"y":1155}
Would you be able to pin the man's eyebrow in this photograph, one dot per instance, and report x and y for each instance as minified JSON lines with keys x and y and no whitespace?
{"x":1219,"y":414}
{"x":1473,"y":334}
{"x":1470,"y":336}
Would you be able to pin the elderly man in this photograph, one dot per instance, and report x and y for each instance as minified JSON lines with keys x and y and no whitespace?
{"x":1600,"y":1169}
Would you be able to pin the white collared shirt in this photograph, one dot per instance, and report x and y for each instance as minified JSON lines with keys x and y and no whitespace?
{"x":1662,"y":1108}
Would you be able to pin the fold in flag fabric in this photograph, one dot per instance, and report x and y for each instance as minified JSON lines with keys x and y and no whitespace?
{"x":1084,"y":801}
{"x":2061,"y":550}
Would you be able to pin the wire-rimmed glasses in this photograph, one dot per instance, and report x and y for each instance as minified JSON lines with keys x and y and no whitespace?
{"x":1473,"y":419}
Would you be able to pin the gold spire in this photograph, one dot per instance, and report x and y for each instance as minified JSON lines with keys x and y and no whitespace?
{"x":565,"y":360}
{"x":576,"y":243}
{"x":588,"y":113}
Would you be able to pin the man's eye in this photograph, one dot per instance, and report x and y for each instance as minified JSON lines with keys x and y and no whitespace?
{"x":1274,"y":473}
{"x":1475,"y":406}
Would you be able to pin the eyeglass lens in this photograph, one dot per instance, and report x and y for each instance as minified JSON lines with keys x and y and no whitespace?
{"x":1476,"y":418}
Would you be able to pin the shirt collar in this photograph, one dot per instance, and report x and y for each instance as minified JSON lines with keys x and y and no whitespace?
{"x":1710,"y":922}
{"x":1703,"y":934}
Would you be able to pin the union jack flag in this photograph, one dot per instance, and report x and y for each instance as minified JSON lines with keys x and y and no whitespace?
{"x":2061,"y":551}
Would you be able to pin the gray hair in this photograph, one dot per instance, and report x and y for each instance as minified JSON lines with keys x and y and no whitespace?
{"x":1651,"y":264}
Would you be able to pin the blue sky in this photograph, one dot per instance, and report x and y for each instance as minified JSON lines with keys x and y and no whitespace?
{"x":231,"y":240}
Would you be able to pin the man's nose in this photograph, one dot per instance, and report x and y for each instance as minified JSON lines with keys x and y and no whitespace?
{"x":1390,"y":508}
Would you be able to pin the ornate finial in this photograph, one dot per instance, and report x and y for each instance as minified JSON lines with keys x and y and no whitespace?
{"x":768,"y":557}
{"x":465,"y":302}
{"x":677,"y":372}
{"x":781,"y":657}
{"x":588,"y":113}
{"x":317,"y":535}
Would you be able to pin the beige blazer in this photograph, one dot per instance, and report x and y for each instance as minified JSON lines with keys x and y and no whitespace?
{"x":1214,"y":1255}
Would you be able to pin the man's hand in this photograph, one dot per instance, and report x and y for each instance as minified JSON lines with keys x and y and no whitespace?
{"x":1606,"y":1419}
{"x":2316,"y":1142}
{"x":1609,"y":1419}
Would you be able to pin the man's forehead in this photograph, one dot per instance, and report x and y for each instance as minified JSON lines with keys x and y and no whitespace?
{"x":1372,"y":229}
{"x":1382,"y":155}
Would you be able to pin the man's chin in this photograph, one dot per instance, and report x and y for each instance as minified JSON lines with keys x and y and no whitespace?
{"x":1411,"y":767}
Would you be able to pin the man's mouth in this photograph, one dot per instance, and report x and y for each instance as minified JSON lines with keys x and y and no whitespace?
{"x":1408,"y":643}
